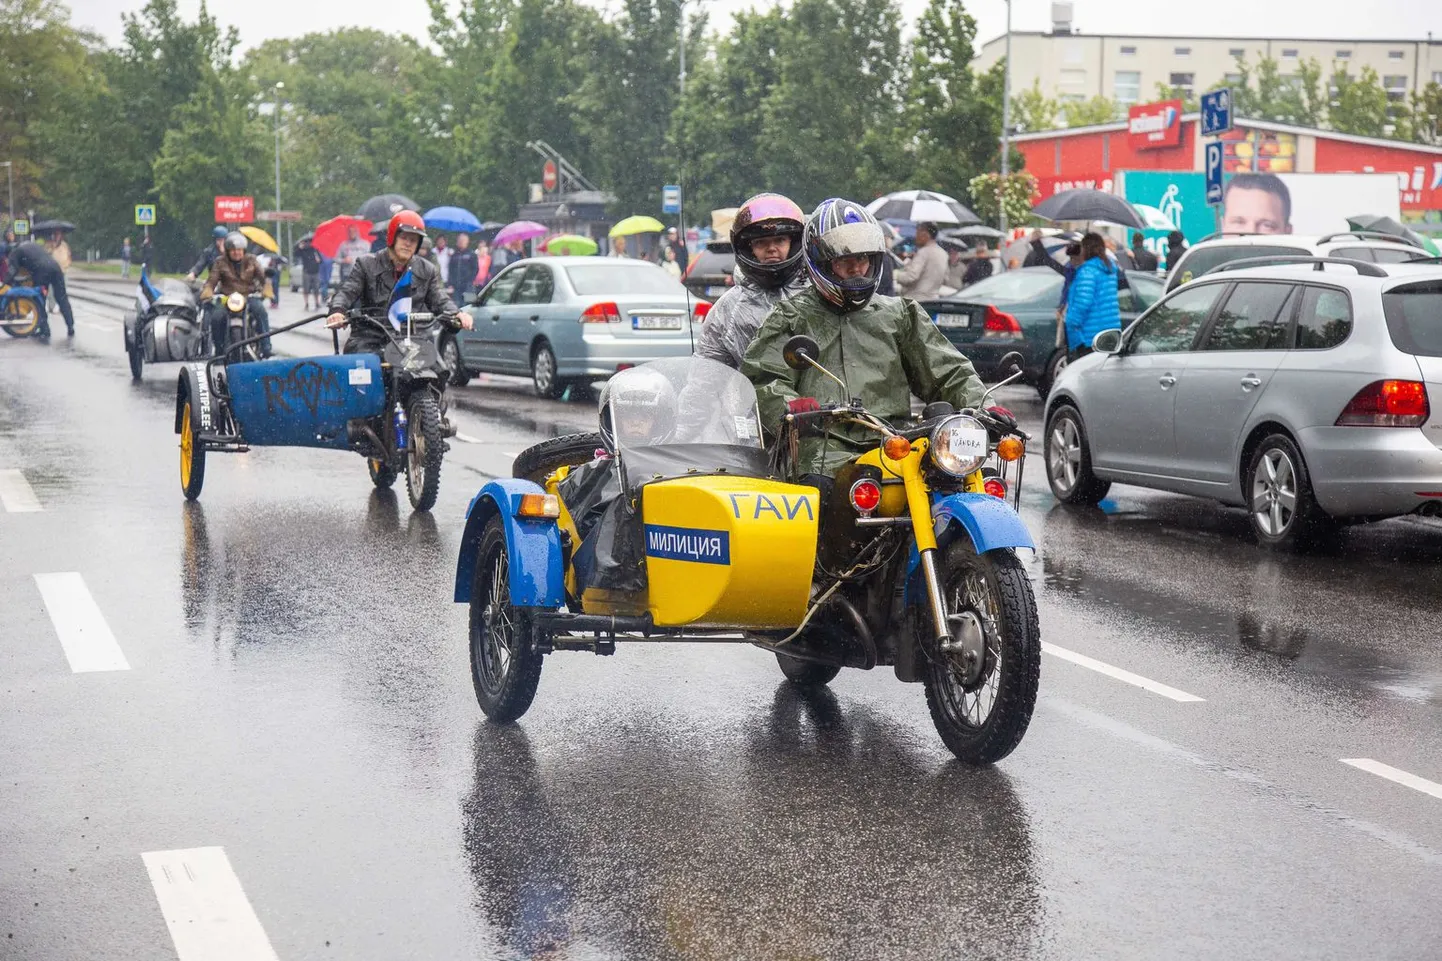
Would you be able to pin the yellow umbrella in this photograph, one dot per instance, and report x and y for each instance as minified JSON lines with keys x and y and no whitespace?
{"x":637,"y":225}
{"x":262,"y":238}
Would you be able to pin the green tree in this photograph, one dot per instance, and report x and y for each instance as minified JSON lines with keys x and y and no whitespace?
{"x":1086,"y":113}
{"x":1033,"y":110}
{"x":1359,"y":104}
{"x":1421,"y":120}
{"x":1264,"y":93}
{"x":990,"y":192}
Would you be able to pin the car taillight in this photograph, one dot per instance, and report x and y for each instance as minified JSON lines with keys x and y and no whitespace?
{"x":996,"y":487}
{"x":602,"y":313}
{"x":699,"y":312}
{"x":1387,"y":403}
{"x":865,"y":496}
{"x":999,"y":324}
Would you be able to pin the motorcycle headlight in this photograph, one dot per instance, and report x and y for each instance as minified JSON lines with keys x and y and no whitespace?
{"x":959,"y":445}
{"x":236,"y":302}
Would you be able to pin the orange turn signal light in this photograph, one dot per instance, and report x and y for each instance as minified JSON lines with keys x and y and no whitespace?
{"x":1010,"y":448}
{"x":539,"y":505}
{"x":896,"y":447}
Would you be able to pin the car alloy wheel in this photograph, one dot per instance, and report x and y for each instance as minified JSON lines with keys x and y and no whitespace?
{"x":1274,"y":493}
{"x":1064,"y":453}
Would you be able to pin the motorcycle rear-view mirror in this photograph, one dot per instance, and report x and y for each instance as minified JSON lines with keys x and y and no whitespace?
{"x":800,"y":352}
{"x":1010,"y":362}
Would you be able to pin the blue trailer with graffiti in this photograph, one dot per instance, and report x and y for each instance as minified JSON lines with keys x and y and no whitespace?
{"x":386,"y":406}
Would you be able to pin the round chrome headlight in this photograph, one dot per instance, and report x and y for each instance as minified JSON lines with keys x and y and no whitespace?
{"x":236,"y":302}
{"x":959,"y":445}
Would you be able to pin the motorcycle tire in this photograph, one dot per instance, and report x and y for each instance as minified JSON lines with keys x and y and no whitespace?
{"x":807,"y":674}
{"x":995,"y":588}
{"x":24,"y":311}
{"x":505,"y":668}
{"x":382,"y":474}
{"x":424,"y":449}
{"x":136,"y":354}
{"x":192,"y":455}
{"x":537,"y":463}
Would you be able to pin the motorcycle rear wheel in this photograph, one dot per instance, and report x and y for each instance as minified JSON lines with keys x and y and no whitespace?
{"x":505,"y":669}
{"x":424,"y":449}
{"x":382,"y":474}
{"x":982,"y":718}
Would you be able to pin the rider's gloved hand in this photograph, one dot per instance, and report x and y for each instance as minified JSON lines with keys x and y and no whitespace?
{"x":1002,"y":414}
{"x":336,"y":319}
{"x":464,"y":320}
{"x":802,"y":405}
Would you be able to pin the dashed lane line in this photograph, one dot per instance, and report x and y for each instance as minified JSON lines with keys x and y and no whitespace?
{"x":1395,"y":774}
{"x":205,"y":908}
{"x":467,"y":438}
{"x":16,"y":494}
{"x":1116,"y":673}
{"x":86,"y":638}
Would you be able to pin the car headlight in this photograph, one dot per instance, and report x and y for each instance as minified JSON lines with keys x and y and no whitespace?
{"x":959,"y":445}
{"x":236,"y":302}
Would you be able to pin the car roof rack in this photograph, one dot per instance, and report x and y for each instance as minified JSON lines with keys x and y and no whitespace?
{"x":1364,"y":268}
{"x":1229,"y":233}
{"x":1367,"y":235}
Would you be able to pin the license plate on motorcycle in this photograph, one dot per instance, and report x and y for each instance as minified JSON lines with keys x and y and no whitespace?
{"x":953,"y":320}
{"x":967,"y":441}
{"x":655,"y":322}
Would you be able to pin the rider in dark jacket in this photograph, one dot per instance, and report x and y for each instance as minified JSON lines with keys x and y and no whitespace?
{"x":44,"y":272}
{"x":372,"y":280}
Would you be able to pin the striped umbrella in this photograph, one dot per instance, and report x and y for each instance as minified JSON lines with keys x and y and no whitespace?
{"x":921,"y":206}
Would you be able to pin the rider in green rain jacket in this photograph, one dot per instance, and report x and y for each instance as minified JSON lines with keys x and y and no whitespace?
{"x":884,"y":348}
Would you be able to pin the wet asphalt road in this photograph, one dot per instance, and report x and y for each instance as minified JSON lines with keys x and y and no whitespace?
{"x":297,"y":694}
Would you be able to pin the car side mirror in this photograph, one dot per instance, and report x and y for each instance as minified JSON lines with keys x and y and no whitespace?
{"x":1108,"y":342}
{"x":799,"y":350}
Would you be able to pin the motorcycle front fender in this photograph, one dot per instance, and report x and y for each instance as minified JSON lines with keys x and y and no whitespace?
{"x":533,"y":546}
{"x":989,"y":521}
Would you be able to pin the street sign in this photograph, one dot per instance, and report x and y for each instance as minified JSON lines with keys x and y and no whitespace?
{"x":291,"y":216}
{"x":21,"y":227}
{"x":1214,"y":173}
{"x":145,"y":215}
{"x":670,"y":199}
{"x":549,"y":176}
{"x":238,"y":210}
{"x":1216,"y":112}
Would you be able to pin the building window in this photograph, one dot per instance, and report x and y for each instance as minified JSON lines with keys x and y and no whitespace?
{"x":1129,"y":51}
{"x":1183,"y":82}
{"x":1232,"y":79}
{"x":1396,"y":54}
{"x":1437,"y":76}
{"x":1396,"y":86}
{"x":1128,"y":88}
{"x":1289,"y":53}
{"x":1344,"y":55}
{"x":1073,"y":80}
{"x":1236,"y":52}
{"x":1182,"y":51}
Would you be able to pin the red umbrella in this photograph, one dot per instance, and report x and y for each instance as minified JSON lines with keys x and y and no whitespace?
{"x":333,"y":232}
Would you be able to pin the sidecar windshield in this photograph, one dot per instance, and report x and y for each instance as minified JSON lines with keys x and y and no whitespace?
{"x":684,"y":415}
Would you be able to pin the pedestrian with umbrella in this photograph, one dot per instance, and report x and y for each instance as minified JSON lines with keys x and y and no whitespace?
{"x":351,"y":251}
{"x":924,"y":274}
{"x":464,"y":267}
{"x":1092,"y":305}
{"x":310,"y":263}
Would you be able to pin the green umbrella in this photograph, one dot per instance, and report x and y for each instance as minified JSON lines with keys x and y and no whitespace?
{"x":569,"y":245}
{"x":637,"y":225}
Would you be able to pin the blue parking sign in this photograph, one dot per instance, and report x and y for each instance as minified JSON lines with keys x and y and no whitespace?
{"x":1214,"y":173}
{"x":1216,"y":112}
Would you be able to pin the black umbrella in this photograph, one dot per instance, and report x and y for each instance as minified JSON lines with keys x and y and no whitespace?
{"x":386,"y":206}
{"x":1089,"y":205}
{"x":1382,"y":224}
{"x":50,"y":226}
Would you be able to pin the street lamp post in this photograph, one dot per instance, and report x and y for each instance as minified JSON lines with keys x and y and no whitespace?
{"x":10,"y":175}
{"x":279,"y":86}
{"x":1005,"y":126}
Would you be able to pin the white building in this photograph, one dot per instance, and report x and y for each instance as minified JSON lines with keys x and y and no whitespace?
{"x":1074,"y":66}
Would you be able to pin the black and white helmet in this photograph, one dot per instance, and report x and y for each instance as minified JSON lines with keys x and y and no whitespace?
{"x":842,"y":228}
{"x":639,"y":405}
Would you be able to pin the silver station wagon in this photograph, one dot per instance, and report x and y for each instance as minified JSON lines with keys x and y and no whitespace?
{"x":1309,"y":393}
{"x":566,"y":320}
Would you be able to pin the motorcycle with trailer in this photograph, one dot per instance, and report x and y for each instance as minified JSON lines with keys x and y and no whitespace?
{"x":388,"y":406}
{"x":166,"y":326}
{"x":906,"y":559}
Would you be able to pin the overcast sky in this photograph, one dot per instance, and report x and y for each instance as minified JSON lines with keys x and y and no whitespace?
{"x":1283,"y":19}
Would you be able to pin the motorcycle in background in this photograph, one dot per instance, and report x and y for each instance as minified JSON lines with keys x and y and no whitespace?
{"x":165,"y":326}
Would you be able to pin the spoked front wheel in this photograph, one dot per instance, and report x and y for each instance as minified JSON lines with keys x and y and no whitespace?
{"x":22,"y":317}
{"x":192,"y":453}
{"x":424,"y":449}
{"x":981,"y":690}
{"x":505,"y":669}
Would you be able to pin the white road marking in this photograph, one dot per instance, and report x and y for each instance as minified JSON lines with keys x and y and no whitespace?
{"x":510,"y":453}
{"x":86,"y":638}
{"x":1146,"y":684}
{"x":16,"y":494}
{"x":1394,"y":774}
{"x":205,"y":908}
{"x":467,"y":438}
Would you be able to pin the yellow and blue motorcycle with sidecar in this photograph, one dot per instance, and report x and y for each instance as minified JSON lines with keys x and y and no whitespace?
{"x":690,"y":530}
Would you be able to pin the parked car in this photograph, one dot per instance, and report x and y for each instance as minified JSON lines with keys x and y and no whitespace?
{"x":1218,"y":249}
{"x":1303,"y":394}
{"x":566,"y":320}
{"x":708,"y":275}
{"x":1016,"y":311}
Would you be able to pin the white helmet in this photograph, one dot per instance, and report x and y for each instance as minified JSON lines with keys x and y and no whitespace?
{"x":643,"y":403}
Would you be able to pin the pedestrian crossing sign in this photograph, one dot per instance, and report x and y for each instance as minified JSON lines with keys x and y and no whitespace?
{"x":145,"y":215}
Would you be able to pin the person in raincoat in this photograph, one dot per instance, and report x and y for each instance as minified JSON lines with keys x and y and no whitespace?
{"x":1091,"y":305}
{"x":884,"y":348}
{"x":766,"y":236}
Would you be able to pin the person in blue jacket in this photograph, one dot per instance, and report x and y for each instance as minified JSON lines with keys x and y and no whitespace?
{"x":1092,"y":301}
